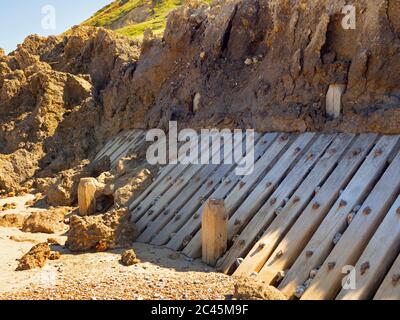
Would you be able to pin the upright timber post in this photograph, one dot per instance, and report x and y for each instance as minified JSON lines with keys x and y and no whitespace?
{"x":334,"y":100}
{"x":214,"y":231}
{"x":87,"y":196}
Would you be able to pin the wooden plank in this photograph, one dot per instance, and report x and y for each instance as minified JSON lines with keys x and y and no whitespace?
{"x":262,"y":190}
{"x":124,"y":146}
{"x":164,"y":199}
{"x":272,"y":207}
{"x":164,"y":171}
{"x":181,"y":238}
{"x":122,"y":140}
{"x":377,"y":257}
{"x":204,"y":176}
{"x":214,"y":226}
{"x":156,"y":190}
{"x":136,"y":141}
{"x":334,"y":223}
{"x":390,"y":287}
{"x":111,"y":142}
{"x":296,"y":239}
{"x":328,"y":281}
{"x":261,"y":251}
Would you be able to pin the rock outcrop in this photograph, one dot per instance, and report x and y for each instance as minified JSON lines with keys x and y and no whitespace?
{"x":263,"y":64}
{"x":104,"y":231}
{"x":35,"y":258}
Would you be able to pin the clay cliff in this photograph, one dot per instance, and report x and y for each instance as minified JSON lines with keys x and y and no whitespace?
{"x":264,"y":64}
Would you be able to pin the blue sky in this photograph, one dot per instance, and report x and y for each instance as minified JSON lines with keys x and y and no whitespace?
{"x":19,"y":18}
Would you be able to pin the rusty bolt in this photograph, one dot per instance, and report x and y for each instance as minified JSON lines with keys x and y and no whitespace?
{"x":364,"y":267}
{"x":273,"y":201}
{"x":398,"y":211}
{"x":279,"y":254}
{"x":241,"y":184}
{"x":367,"y":211}
{"x":241,"y":242}
{"x":332,"y":151}
{"x":378,"y":153}
{"x":262,"y":245}
{"x":331,"y":265}
{"x":284,"y":137}
{"x":310,"y":156}
{"x":309,"y":253}
{"x":316,"y":206}
{"x":237,"y":222}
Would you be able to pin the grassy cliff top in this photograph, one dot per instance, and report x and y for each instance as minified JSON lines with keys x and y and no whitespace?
{"x":133,"y":17}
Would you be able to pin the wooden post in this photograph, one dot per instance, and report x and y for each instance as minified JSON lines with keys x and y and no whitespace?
{"x":214,"y":231}
{"x":334,"y":100}
{"x":86,"y":196}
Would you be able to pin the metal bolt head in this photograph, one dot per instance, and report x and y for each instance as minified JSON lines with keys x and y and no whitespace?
{"x":367,"y":211}
{"x":364,"y":267}
{"x":309,"y":253}
{"x":331,"y":265}
{"x":316,"y":206}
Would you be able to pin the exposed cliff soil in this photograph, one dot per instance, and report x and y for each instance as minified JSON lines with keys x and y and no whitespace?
{"x":255,"y":63}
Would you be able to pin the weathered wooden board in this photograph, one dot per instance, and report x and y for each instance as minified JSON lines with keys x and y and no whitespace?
{"x":261,"y":251}
{"x":377,"y":258}
{"x":204,"y":176}
{"x":221,"y":192}
{"x":297,"y":237}
{"x":328,"y":281}
{"x":274,"y":205}
{"x":334,"y":223}
{"x":274,"y":175}
{"x":239,"y":193}
{"x":390,"y":287}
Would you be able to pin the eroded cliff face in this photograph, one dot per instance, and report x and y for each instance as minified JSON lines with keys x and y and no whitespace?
{"x":250,"y":63}
{"x":268,"y":65}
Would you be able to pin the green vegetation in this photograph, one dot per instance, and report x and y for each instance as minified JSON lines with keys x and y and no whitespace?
{"x":151,"y":13}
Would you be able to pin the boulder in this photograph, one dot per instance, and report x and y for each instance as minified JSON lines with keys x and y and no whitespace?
{"x":35,"y":258}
